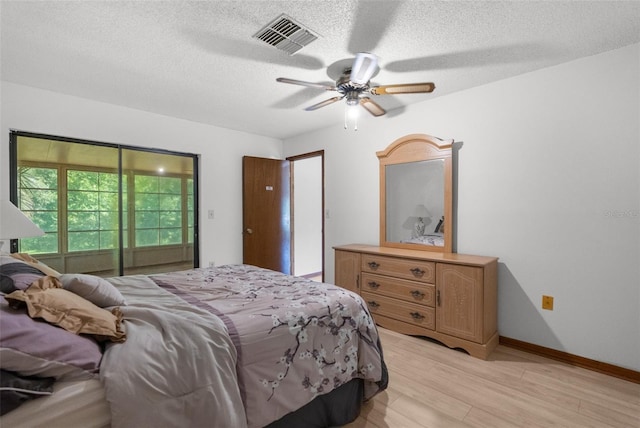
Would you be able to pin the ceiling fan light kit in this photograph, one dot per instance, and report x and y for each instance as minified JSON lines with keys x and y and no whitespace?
{"x":353,"y":84}
{"x":364,"y":67}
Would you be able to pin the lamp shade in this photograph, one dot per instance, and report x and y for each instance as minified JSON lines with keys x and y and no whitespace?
{"x":422,"y":211}
{"x":14,"y":224}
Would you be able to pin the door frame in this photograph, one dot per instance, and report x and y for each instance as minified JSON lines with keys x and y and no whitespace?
{"x":292,"y":160}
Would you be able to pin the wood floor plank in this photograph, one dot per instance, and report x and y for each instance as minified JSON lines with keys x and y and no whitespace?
{"x":604,"y":413}
{"x":433,"y":386}
{"x":417,"y":388}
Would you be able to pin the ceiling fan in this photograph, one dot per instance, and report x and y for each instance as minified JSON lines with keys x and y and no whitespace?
{"x":353,"y":84}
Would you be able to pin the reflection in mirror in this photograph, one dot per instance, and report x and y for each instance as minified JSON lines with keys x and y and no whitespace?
{"x":415,"y":202}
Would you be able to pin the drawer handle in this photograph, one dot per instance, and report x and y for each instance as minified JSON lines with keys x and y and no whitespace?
{"x":438,"y":297}
{"x":373,"y":265}
{"x":417,"y":294}
{"x":373,"y":304}
{"x":416,"y":316}
{"x":373,"y":284}
{"x":417,"y":271}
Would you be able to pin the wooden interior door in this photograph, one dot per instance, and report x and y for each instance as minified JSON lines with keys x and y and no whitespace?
{"x":266,"y":213}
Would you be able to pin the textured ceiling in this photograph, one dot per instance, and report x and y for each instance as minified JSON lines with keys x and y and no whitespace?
{"x":197,"y":60}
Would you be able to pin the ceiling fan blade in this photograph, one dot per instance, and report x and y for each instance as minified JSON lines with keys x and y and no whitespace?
{"x":372,"y":107}
{"x":403,"y":88}
{"x":323,"y":103}
{"x":364,"y":67}
{"x":309,"y":84}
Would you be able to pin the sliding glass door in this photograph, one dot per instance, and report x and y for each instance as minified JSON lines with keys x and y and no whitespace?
{"x":106,"y":209}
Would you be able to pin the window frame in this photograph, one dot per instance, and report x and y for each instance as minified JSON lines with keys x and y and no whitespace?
{"x":62,"y":170}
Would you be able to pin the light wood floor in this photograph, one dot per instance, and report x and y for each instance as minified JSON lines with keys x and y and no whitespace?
{"x":431,"y":385}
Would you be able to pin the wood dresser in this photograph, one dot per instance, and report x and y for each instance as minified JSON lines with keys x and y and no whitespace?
{"x":449,"y":297}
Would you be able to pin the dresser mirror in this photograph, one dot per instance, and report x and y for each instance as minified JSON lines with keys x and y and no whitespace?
{"x":416,"y":194}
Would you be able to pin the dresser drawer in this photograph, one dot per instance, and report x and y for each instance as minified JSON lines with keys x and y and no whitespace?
{"x":417,"y":270}
{"x":411,"y":313}
{"x":409,"y":291}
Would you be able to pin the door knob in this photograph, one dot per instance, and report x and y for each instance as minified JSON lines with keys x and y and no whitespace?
{"x":249,"y":231}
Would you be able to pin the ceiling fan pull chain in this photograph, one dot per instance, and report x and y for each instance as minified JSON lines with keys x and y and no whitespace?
{"x":345,"y":118}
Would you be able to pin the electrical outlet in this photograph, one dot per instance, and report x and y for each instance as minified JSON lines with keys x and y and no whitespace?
{"x":547,"y":302}
{"x":212,"y":263}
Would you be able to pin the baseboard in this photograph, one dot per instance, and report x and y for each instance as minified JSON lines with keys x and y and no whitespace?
{"x":311,"y":275}
{"x":574,"y":360}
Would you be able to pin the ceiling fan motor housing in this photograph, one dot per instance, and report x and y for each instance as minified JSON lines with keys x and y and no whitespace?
{"x":351,"y":91}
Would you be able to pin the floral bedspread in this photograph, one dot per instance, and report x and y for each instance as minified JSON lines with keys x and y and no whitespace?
{"x":295,"y":338}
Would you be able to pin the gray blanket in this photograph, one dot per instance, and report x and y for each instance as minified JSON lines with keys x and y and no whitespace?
{"x":234,"y":346}
{"x":177,"y":367}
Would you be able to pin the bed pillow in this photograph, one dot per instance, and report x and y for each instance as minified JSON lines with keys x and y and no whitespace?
{"x":16,"y":390}
{"x":97,"y":290}
{"x":46,"y":299}
{"x":32,"y":261}
{"x":16,"y":274}
{"x":35,"y":348}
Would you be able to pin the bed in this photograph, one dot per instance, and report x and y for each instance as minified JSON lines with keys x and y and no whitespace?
{"x":433,"y":239}
{"x":229,"y":346}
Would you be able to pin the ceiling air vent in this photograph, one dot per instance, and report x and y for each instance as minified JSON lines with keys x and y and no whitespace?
{"x":285,"y":34}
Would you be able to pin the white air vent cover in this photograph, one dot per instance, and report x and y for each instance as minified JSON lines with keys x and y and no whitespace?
{"x":286,"y":34}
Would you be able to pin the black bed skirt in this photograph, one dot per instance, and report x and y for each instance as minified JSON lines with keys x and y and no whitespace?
{"x":339,"y":407}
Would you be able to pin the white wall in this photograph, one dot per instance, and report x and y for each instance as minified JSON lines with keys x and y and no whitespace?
{"x":548,"y":181}
{"x":34,"y":110}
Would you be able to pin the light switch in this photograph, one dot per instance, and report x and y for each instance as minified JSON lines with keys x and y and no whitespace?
{"x":210,"y":215}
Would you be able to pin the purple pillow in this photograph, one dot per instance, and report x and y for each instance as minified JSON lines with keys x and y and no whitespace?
{"x":36,"y":348}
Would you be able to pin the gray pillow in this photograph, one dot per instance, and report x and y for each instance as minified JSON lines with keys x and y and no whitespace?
{"x":97,"y":290}
{"x":16,"y":274}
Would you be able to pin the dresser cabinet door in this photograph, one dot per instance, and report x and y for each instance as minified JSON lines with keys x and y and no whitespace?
{"x":459,"y":306}
{"x":347,"y":270}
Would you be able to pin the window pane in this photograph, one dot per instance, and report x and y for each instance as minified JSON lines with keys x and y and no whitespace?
{"x":92,"y":207}
{"x":40,"y":245}
{"x":147,"y":237}
{"x":170,"y":202}
{"x":82,"y":220}
{"x":108,"y":182}
{"x":190,"y":211}
{"x":38,"y":199}
{"x":170,"y":185}
{"x":109,"y":239}
{"x":79,"y":201}
{"x":147,"y":219}
{"x":82,"y":180}
{"x":84,"y":241}
{"x":146,"y":183}
{"x":147,"y":201}
{"x":171,"y":219}
{"x":170,"y":236}
{"x":108,"y":201}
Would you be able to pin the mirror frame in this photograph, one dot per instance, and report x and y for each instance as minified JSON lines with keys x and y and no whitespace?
{"x":415,"y":148}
